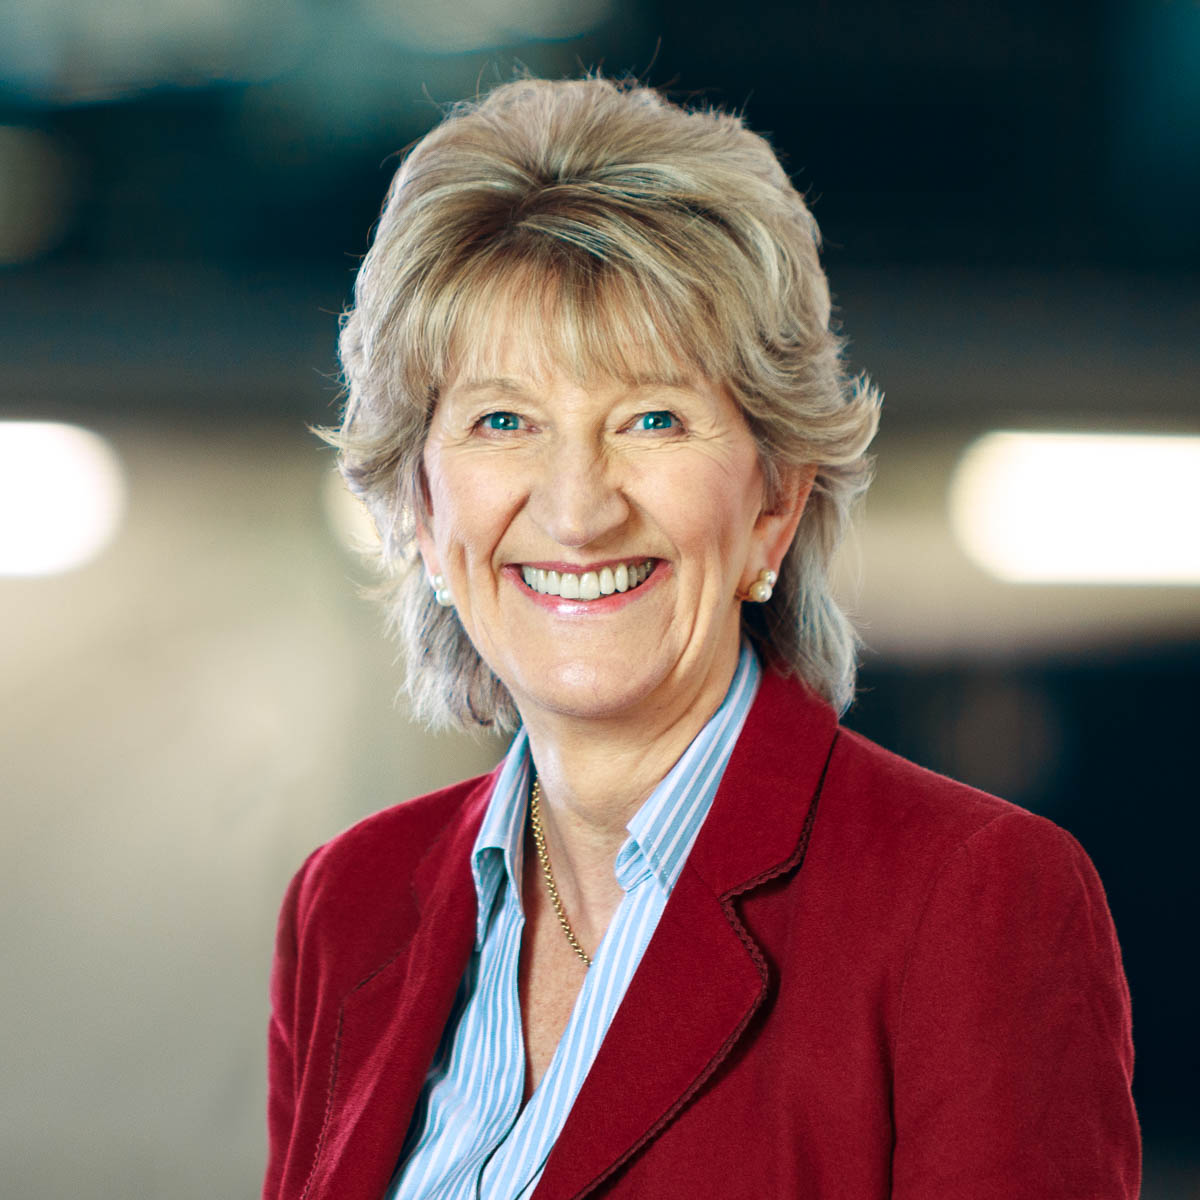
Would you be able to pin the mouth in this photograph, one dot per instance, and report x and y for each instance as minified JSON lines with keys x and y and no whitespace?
{"x":588,"y":586}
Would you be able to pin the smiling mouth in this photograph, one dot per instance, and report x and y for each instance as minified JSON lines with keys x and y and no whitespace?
{"x":589,"y":585}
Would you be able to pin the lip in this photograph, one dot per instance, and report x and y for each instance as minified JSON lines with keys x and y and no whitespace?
{"x":604,"y":605}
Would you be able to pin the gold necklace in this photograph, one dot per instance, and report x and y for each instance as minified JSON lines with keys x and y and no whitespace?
{"x":539,"y":842}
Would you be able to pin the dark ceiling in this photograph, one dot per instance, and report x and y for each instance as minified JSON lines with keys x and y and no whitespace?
{"x":214,"y":207}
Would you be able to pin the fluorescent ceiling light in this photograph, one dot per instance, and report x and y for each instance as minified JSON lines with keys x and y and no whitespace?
{"x":1080,"y":508}
{"x":62,"y":496}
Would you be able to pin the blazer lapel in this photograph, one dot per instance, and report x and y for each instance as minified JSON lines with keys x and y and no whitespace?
{"x":390,"y":1024}
{"x":702,"y":977}
{"x":693,"y":994}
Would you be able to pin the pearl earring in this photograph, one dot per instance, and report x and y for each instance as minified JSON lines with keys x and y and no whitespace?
{"x":760,"y":590}
{"x":441,"y":593}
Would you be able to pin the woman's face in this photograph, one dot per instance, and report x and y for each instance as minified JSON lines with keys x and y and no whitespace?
{"x":595,"y":536}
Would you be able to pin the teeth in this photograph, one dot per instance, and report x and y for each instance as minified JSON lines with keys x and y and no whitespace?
{"x":590,"y":585}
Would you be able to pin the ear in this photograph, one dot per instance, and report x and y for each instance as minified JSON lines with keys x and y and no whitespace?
{"x":776,"y":526}
{"x":428,"y":553}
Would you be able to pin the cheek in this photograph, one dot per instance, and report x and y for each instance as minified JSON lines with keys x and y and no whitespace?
{"x":710,"y":507}
{"x":472,"y":505}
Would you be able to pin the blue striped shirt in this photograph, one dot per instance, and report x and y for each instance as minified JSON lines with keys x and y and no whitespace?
{"x":470,"y":1136}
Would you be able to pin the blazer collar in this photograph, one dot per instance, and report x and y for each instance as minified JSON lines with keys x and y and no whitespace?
{"x":769,"y":790}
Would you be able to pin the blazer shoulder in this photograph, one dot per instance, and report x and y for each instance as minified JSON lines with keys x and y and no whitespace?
{"x":877,"y":801}
{"x":897,"y":791}
{"x":387,"y":845}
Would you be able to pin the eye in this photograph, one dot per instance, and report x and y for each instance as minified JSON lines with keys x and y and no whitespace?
{"x":661,"y":419}
{"x":500,"y":422}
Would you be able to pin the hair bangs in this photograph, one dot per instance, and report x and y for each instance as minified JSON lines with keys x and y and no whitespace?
{"x":570,"y":312}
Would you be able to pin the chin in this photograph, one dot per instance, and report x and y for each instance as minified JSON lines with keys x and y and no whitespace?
{"x":585,"y":690}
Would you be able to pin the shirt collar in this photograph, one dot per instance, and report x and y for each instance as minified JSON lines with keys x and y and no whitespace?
{"x":661,"y":832}
{"x":500,"y":846}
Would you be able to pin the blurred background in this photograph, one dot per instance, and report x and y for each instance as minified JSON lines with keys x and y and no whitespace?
{"x":193,"y":693}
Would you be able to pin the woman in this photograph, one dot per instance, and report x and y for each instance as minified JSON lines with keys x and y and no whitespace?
{"x":690,"y":938}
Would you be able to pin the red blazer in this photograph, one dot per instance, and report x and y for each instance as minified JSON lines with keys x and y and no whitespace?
{"x":869,"y":982}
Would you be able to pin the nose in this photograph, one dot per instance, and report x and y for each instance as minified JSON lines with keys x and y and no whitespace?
{"x":577,"y":498}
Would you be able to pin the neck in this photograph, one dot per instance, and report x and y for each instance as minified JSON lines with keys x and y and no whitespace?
{"x":596,"y":773}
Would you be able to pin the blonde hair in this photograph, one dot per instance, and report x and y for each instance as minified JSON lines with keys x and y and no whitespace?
{"x":622,"y":235}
